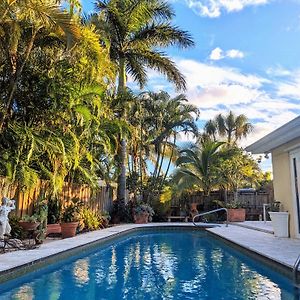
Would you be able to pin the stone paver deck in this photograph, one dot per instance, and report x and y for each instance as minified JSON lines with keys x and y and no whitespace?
{"x":282,"y":250}
{"x":257,"y":225}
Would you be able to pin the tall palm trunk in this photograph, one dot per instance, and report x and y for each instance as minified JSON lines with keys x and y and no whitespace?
{"x":14,"y":80}
{"x":121,"y":192}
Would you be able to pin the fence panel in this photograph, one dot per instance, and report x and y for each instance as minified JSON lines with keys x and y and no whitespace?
{"x":98,"y":200}
{"x":253,"y":202}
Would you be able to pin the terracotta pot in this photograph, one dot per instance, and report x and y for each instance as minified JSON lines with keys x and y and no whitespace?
{"x":68,"y":229}
{"x":105,"y":222}
{"x":115,"y":220}
{"x":236,"y":214}
{"x":29,"y":226}
{"x":193,"y":209}
{"x":53,"y":228}
{"x":141,"y":218}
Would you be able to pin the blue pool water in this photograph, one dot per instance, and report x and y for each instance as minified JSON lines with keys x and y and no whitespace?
{"x":177,"y":264}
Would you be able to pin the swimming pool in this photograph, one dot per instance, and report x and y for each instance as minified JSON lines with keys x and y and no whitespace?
{"x":156,"y":264}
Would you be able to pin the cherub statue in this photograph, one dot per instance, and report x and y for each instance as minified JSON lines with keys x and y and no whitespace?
{"x":7,"y":206}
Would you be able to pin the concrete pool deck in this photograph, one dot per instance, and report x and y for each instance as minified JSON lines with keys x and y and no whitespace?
{"x":281,"y":250}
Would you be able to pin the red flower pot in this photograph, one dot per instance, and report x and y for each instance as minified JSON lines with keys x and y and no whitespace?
{"x":29,"y":226}
{"x":141,"y":218}
{"x":53,"y":228}
{"x":68,"y":229}
{"x":236,"y":214}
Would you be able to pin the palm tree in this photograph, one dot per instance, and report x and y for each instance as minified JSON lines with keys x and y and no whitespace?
{"x":230,"y":126}
{"x":136,"y":31}
{"x":21,"y":22}
{"x":233,"y":127}
{"x":196,"y":167}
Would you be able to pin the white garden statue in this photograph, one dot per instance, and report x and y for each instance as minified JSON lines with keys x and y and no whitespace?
{"x":7,"y":206}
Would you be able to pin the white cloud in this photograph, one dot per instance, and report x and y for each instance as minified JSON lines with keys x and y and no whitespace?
{"x":278,"y":71}
{"x":214,"y":8}
{"x":203,"y":75}
{"x":291,"y":87}
{"x":269,"y":124}
{"x":218,"y":54}
{"x":265,"y":101}
{"x":234,"y":53}
{"x":220,"y":89}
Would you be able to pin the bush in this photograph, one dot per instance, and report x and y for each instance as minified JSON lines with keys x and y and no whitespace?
{"x":89,"y":219}
{"x":17,"y":232}
{"x":54,"y":211}
{"x":72,"y":211}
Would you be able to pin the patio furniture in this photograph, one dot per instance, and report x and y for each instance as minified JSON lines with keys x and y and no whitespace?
{"x":180,"y":218}
{"x":177,"y":214}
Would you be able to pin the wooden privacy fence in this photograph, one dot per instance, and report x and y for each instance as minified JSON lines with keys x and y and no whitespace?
{"x":98,"y":200}
{"x":253,"y":202}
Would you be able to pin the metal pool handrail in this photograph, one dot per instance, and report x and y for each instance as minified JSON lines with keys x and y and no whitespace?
{"x":211,"y":212}
{"x":295,"y":269}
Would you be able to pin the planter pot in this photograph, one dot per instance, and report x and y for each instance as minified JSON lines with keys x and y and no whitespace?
{"x":105,"y":222}
{"x":29,"y":226}
{"x":280,"y":223}
{"x":53,"y":228}
{"x":141,"y":218}
{"x":115,"y":220}
{"x":193,"y":209}
{"x":236,"y":214}
{"x":68,"y":229}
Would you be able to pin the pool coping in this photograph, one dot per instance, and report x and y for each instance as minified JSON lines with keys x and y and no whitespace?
{"x":46,"y":255}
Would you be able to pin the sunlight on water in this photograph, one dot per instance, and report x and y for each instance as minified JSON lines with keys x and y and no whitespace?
{"x":168,"y":265}
{"x":81,"y":271}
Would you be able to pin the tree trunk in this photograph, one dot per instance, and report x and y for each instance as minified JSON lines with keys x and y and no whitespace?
{"x":121,"y":192}
{"x":14,"y":80}
{"x":236,"y":195}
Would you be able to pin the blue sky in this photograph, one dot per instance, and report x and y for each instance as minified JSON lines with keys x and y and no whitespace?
{"x":246,"y":59}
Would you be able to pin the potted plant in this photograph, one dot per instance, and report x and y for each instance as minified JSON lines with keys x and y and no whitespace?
{"x":70,"y":218}
{"x":41,"y":212}
{"x":53,"y":218}
{"x":105,"y":218}
{"x":142,"y":213}
{"x":29,"y":223}
{"x":235,"y":210}
{"x":280,"y":220}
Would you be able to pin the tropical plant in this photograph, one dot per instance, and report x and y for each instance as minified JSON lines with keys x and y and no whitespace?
{"x":237,"y":169}
{"x":20,"y":25}
{"x":157,"y":121}
{"x":136,"y":29}
{"x":71,"y":212}
{"x":143,"y":208}
{"x":30,"y":218}
{"x":89,"y":220}
{"x":54,"y":211}
{"x":230,"y":127}
{"x":196,"y":168}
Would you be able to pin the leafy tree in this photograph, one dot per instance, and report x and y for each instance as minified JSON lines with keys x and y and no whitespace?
{"x":237,"y":169}
{"x":20,"y":25}
{"x":136,"y":31}
{"x":230,"y":127}
{"x":157,"y":119}
{"x":197,"y":167}
{"x":60,"y":126}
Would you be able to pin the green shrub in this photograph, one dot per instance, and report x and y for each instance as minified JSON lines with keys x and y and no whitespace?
{"x":89,"y":219}
{"x":17,"y":232}
{"x":72,"y":211}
